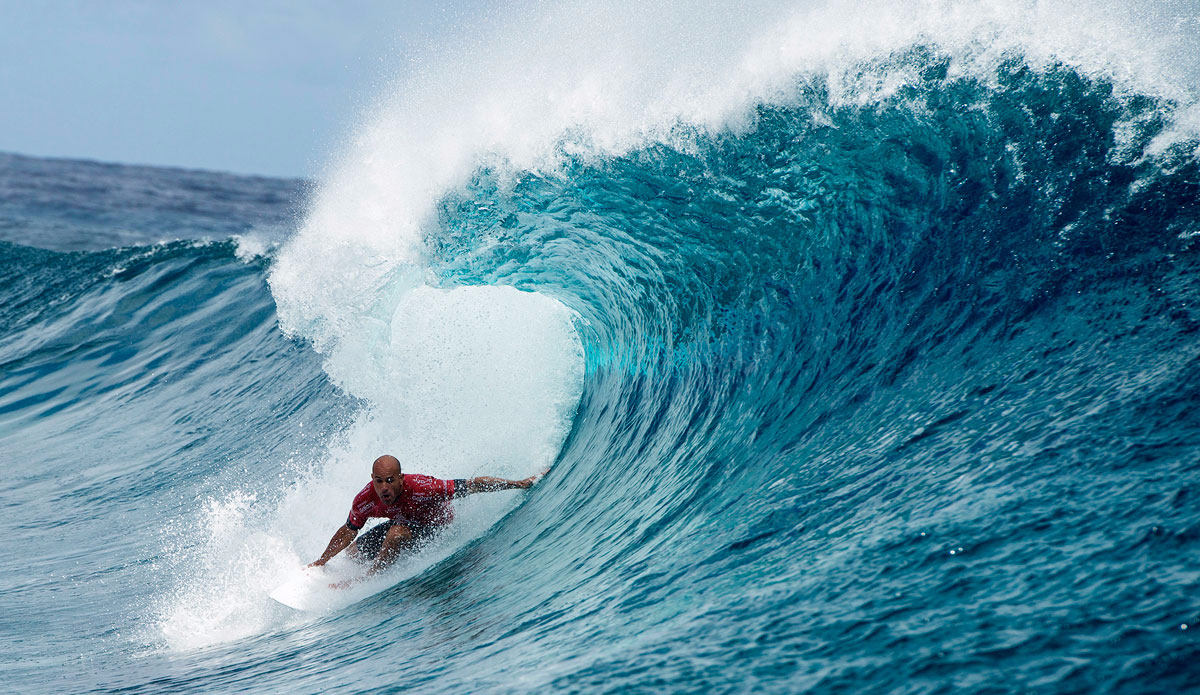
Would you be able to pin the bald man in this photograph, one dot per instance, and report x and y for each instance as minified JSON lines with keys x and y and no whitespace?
{"x":415,"y":506}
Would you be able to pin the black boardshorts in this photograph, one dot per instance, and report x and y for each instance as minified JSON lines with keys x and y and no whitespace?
{"x":370,"y":543}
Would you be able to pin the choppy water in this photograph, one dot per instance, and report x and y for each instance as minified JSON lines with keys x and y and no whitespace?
{"x":864,"y":348}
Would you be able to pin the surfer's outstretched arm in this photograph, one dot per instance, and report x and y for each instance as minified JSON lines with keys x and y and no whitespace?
{"x":485,"y":483}
{"x":342,"y":538}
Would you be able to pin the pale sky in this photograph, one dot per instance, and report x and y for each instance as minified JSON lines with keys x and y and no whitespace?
{"x":267,"y":87}
{"x":248,"y":86}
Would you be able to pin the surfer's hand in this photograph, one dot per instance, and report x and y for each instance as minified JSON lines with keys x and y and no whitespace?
{"x":315,"y":563}
{"x":528,"y":482}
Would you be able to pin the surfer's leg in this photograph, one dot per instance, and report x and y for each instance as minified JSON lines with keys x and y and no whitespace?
{"x":403,"y":538}
{"x":398,"y":538}
{"x":368,"y":544}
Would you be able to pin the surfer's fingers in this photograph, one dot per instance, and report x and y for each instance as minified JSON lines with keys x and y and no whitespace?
{"x":528,"y":482}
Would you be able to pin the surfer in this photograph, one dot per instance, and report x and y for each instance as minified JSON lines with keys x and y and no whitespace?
{"x":415,"y":506}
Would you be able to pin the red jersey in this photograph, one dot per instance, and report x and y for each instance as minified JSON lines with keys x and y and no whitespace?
{"x":424,"y":501}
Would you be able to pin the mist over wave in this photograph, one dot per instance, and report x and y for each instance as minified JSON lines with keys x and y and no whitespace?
{"x":862,"y":342}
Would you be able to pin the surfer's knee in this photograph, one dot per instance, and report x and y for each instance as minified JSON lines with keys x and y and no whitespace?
{"x":398,"y":534}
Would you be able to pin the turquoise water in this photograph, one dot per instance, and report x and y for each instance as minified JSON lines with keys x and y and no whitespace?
{"x":880,"y":380}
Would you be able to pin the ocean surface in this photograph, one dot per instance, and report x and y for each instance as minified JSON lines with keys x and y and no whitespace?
{"x":863,"y":345}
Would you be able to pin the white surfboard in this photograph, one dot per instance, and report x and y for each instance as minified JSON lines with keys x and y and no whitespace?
{"x":297,"y":590}
{"x":325,"y":589}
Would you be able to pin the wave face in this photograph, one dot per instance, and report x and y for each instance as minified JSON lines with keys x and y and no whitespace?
{"x":867,"y":366}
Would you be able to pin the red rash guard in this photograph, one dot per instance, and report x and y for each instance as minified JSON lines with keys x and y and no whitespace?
{"x":425,"y":501}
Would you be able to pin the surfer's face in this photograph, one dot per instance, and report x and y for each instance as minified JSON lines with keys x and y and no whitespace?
{"x":386,"y":479}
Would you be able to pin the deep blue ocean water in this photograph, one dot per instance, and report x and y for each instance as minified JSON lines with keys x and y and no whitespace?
{"x":867,"y":390}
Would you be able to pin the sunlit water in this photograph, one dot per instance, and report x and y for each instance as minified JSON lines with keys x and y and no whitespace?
{"x":863,"y":344}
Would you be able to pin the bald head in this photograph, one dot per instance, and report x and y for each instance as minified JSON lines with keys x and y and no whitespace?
{"x":386,"y":478}
{"x":385,"y":466}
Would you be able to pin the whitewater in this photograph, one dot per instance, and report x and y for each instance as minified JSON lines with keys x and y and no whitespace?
{"x":860,"y":340}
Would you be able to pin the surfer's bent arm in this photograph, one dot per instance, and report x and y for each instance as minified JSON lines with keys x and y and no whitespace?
{"x":342,"y":538}
{"x":485,"y":483}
